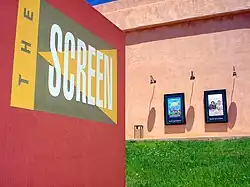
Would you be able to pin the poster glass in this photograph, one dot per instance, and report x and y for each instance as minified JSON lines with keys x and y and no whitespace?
{"x":174,"y":109}
{"x":215,"y":106}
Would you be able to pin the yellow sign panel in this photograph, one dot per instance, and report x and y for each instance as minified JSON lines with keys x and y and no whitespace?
{"x":24,"y":70}
{"x":60,"y":67}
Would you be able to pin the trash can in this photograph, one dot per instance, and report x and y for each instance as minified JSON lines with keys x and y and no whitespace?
{"x":138,"y":131}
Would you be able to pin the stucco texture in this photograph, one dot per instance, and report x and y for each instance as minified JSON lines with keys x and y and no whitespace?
{"x":208,"y":47}
{"x":135,"y":14}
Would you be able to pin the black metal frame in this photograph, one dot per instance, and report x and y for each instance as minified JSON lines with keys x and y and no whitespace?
{"x":215,"y":119}
{"x":177,"y":121}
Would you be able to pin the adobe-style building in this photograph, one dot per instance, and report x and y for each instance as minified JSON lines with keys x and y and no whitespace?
{"x":166,"y":40}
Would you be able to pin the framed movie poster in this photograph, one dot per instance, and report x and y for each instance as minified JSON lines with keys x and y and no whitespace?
{"x":215,"y":104}
{"x":174,"y":109}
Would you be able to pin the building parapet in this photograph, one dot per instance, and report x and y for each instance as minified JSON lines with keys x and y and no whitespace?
{"x":131,"y":15}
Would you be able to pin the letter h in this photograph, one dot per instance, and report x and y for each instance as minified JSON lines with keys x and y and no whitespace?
{"x":25,"y":48}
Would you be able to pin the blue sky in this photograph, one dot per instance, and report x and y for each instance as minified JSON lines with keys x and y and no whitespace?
{"x":96,"y":2}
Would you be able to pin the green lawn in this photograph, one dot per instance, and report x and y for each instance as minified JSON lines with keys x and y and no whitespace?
{"x":188,"y":163}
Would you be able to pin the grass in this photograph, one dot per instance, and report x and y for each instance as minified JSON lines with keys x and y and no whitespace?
{"x":188,"y":163}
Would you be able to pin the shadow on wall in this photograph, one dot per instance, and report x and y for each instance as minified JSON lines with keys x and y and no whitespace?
{"x":151,"y":114}
{"x":190,"y":118}
{"x":191,"y":28}
{"x":232,"y":111}
{"x":174,"y":129}
{"x":190,"y":112}
{"x":232,"y":115}
{"x":151,"y":119}
{"x":216,"y":127}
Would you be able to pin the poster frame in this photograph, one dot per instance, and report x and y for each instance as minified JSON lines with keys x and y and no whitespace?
{"x":219,"y":118}
{"x":182,"y":119}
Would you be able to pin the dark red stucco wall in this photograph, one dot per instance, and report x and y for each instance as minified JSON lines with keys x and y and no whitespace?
{"x":41,"y":149}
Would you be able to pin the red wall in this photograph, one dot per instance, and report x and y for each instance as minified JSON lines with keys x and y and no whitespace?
{"x":41,"y":149}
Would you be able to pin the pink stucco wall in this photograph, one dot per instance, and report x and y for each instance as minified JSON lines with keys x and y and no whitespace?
{"x":209,"y":45}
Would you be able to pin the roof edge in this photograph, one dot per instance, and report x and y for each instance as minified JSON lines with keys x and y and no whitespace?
{"x":163,"y":12}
